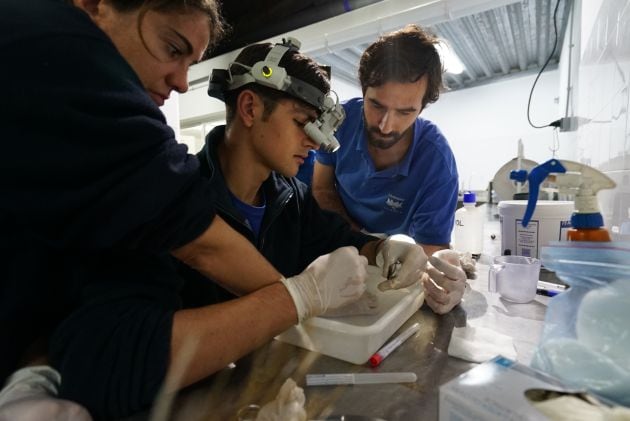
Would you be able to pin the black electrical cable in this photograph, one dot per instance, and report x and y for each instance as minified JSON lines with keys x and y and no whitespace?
{"x":531,"y":92}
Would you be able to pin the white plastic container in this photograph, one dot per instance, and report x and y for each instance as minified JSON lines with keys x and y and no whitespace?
{"x":356,"y":338}
{"x":550,"y":222}
{"x":468,"y":230}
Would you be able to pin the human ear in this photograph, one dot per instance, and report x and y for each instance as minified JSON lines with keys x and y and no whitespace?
{"x":91,"y":7}
{"x":247,"y":106}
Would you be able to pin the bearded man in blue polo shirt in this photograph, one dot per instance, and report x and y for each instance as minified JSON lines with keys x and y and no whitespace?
{"x":394,"y":172}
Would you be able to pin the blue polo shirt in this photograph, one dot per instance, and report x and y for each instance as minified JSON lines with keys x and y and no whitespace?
{"x":416,"y":197}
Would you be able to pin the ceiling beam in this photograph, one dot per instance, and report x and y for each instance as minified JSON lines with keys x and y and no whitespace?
{"x":500,"y":30}
{"x":363,"y":25}
{"x":515,"y":16}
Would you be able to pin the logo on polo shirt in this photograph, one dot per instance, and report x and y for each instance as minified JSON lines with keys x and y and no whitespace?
{"x":394,"y":204}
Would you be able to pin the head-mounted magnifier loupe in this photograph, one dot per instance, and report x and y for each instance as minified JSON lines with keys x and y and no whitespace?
{"x":270,"y":74}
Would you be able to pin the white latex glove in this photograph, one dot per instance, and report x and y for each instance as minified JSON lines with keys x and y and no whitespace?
{"x":467,"y":263}
{"x":330,"y":281}
{"x":30,"y":395}
{"x":446,"y":281}
{"x":403,"y":262}
{"x":288,"y":405}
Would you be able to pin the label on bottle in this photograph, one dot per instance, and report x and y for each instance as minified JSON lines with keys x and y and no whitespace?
{"x":527,"y":238}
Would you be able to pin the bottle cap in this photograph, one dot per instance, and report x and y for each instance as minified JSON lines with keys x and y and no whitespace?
{"x":470,"y":197}
{"x":587,"y":220}
{"x":375,"y":360}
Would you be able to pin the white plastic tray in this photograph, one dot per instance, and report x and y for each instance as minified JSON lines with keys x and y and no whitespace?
{"x":355,"y":338}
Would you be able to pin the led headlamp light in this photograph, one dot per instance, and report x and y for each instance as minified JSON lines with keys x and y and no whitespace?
{"x":270,"y":74}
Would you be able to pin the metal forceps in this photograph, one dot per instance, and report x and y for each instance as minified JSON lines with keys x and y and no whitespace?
{"x":393,"y":269}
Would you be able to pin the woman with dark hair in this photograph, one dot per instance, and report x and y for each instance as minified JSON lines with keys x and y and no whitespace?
{"x":92,"y":215}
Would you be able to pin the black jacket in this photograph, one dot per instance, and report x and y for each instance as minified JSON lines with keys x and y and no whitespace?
{"x":295,"y":230}
{"x":94,"y":192}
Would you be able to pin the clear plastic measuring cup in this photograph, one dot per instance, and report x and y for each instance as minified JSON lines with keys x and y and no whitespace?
{"x":515,"y":278}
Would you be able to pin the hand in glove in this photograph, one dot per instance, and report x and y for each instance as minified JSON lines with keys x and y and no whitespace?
{"x":403,"y":262}
{"x":330,"y":281}
{"x":30,"y":394}
{"x":446,"y":281}
{"x":467,"y":263}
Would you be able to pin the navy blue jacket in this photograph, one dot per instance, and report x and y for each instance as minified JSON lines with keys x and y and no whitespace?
{"x":295,"y":230}
{"x":94,"y":192}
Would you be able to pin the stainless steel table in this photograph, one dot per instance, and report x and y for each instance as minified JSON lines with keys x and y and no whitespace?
{"x":257,"y":378}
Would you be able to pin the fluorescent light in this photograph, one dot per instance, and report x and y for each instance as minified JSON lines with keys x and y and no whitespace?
{"x":452,"y":63}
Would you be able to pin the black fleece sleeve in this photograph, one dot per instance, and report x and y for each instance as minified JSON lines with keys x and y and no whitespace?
{"x":113,"y":352}
{"x":94,"y":192}
{"x":325,"y":231}
{"x":103,"y":169}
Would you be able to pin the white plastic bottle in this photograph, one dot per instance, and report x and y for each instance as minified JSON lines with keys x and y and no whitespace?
{"x":468,"y":230}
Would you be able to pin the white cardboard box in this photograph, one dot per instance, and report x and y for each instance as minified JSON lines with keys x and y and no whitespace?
{"x":356,"y":338}
{"x":494,"y":390}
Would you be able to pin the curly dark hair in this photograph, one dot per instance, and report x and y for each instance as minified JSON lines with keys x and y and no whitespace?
{"x":403,"y":56}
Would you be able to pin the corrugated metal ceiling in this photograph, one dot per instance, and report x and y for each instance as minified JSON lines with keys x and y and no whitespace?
{"x":493,"y":44}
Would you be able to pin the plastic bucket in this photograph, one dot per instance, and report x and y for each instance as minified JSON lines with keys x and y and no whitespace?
{"x":550,"y":222}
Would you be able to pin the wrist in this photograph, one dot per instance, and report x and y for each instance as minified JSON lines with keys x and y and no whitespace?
{"x":297,"y":302}
{"x":305,"y":295}
{"x":377,"y":247}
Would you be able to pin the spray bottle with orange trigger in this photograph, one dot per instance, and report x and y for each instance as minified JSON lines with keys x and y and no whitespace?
{"x":573,"y":178}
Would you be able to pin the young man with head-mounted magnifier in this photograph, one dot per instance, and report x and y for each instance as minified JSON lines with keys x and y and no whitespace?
{"x":278,"y":107}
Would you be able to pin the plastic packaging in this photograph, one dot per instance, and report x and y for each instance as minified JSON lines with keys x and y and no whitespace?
{"x":586,"y":336}
{"x":468,"y":230}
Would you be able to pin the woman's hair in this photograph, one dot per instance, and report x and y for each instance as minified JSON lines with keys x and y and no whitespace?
{"x":209,"y":7}
{"x":295,"y":63}
{"x":403,"y":56}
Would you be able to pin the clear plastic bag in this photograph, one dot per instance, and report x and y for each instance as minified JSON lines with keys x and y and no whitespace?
{"x":586,"y":337}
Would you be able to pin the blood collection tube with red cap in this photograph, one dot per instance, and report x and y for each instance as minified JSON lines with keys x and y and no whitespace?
{"x":382,"y":353}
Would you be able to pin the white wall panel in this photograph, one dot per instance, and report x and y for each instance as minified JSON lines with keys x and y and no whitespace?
{"x":483,"y":125}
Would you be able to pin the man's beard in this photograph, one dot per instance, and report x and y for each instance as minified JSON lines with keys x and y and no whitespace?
{"x":376,"y":139}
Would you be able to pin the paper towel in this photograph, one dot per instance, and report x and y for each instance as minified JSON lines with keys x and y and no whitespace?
{"x":479,"y":344}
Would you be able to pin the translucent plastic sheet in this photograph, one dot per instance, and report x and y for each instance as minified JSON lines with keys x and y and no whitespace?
{"x":586,"y":338}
